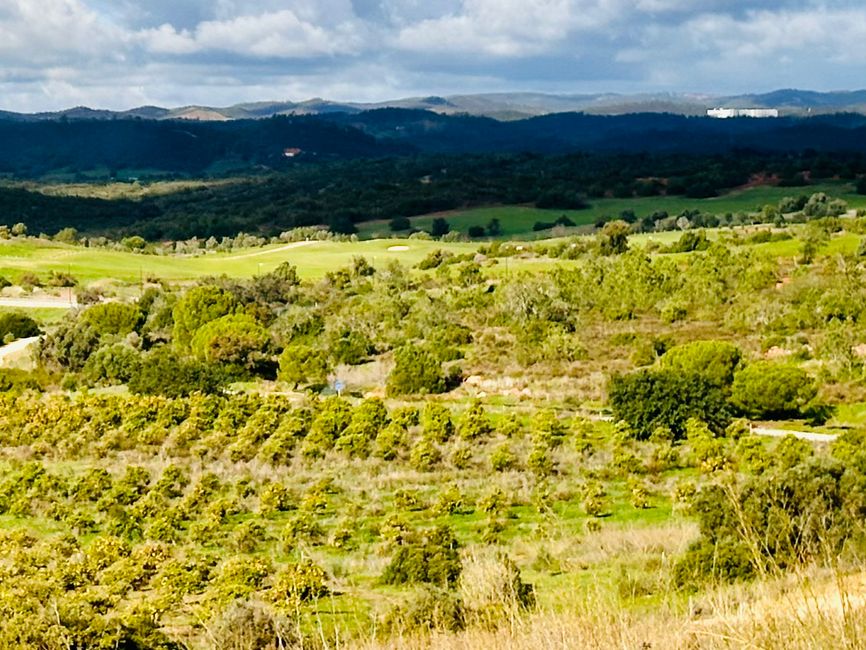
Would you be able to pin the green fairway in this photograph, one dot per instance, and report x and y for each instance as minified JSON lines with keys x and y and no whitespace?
{"x":517,"y":221}
{"x":313,"y":259}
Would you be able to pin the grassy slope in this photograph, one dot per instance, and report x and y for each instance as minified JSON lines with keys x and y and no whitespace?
{"x":312,"y":260}
{"x":518,"y":220}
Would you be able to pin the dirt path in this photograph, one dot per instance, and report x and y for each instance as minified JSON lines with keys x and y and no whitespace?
{"x":42,"y":302}
{"x":811,"y":436}
{"x":10,"y":353}
{"x":287,"y":247}
{"x":767,"y":432}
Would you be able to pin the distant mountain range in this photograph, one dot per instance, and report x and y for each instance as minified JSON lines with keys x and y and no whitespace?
{"x":499,"y":106}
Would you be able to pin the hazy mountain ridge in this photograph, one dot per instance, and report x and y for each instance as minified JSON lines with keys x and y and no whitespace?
{"x":501,"y":106}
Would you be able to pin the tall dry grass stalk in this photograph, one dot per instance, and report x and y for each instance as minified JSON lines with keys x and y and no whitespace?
{"x":814,"y":609}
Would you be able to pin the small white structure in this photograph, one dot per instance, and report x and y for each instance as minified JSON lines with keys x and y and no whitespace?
{"x":724,"y":113}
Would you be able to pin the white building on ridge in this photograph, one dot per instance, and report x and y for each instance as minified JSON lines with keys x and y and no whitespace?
{"x":742,"y":112}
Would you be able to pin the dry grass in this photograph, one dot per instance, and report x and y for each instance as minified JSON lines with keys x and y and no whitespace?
{"x":813,"y":610}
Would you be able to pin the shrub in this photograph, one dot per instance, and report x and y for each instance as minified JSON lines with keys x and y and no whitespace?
{"x":715,"y":361}
{"x":368,"y":418}
{"x":273,"y":498}
{"x":436,"y":422}
{"x":237,"y":340}
{"x":439,"y":227}
{"x":432,"y":559}
{"x":474,"y":424}
{"x":547,"y":430}
{"x":539,"y":461}
{"x":198,"y":306}
{"x":774,"y":521}
{"x":428,"y":610}
{"x":502,"y":458}
{"x":162,"y":373}
{"x":613,"y":239}
{"x":424,"y":455}
{"x":14,"y":325}
{"x":13,"y":380}
{"x":398,"y":224}
{"x":649,"y":399}
{"x":769,"y":390}
{"x":493,"y":592}
{"x":238,"y":577}
{"x":390,"y":442}
{"x":298,"y":583}
{"x":416,"y":371}
{"x":303,"y":364}
{"x":113,"y":364}
{"x":112,"y":318}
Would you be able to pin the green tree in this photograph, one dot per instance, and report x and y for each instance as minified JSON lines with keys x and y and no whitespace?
{"x":112,"y":318}
{"x":236,"y":339}
{"x":162,"y":373}
{"x":716,"y":361}
{"x":14,"y":325}
{"x":303,"y":364}
{"x":768,"y":389}
{"x":198,"y":306}
{"x":439,"y":227}
{"x":416,"y":371}
{"x":613,"y":238}
{"x":649,"y":399}
{"x":398,"y":224}
{"x":67,"y":236}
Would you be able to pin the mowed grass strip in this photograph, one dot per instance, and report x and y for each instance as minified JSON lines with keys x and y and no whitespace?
{"x":313,"y":259}
{"x":518,"y":221}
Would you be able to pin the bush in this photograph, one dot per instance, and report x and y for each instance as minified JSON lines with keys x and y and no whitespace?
{"x":302,"y":364}
{"x":415,"y":372}
{"x":772,"y":390}
{"x":13,"y":380}
{"x":424,"y":455}
{"x":436,"y":422}
{"x":198,"y":306}
{"x":298,"y":583}
{"x":502,"y":458}
{"x":428,"y":610}
{"x":113,"y":364}
{"x":439,"y":227}
{"x":14,"y":325}
{"x":649,"y":399}
{"x":715,"y":361}
{"x":398,"y":224}
{"x":112,"y":318}
{"x":432,"y":559}
{"x":162,"y":373}
{"x":235,"y":340}
{"x":493,"y":592}
{"x":475,"y":424}
{"x":613,"y":239}
{"x":774,"y":521}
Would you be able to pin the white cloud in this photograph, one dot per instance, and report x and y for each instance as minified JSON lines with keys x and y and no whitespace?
{"x":39,"y":32}
{"x":503,"y":28}
{"x":121,"y":52}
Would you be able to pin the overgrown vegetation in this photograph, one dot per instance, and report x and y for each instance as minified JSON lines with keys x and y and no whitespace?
{"x":389,"y":453}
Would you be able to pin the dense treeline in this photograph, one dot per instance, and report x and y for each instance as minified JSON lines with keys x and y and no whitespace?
{"x":136,"y":146}
{"x":342,"y":193}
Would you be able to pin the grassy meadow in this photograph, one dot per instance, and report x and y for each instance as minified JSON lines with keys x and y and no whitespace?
{"x":517,"y":221}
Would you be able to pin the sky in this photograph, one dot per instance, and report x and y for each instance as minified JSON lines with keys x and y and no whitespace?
{"x":120,"y":54}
